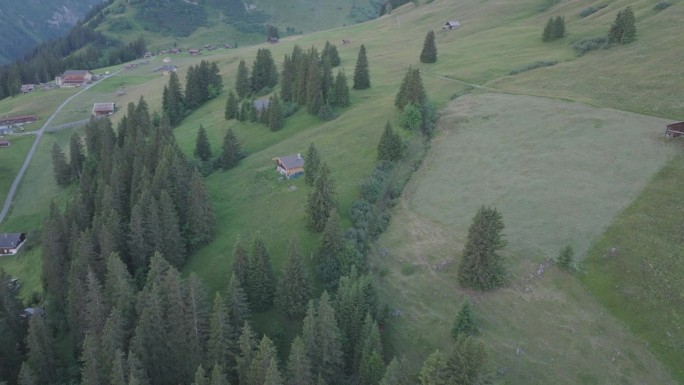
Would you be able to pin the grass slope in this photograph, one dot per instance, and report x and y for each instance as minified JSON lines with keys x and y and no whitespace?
{"x":558,"y":172}
{"x":642,"y":282}
{"x":495,"y":38}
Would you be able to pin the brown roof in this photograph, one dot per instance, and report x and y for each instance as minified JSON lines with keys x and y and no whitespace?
{"x":104,"y":107}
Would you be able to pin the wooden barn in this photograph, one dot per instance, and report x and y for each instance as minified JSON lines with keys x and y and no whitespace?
{"x":290,"y":166}
{"x":20,"y":119}
{"x":26,"y":88}
{"x":674,"y":130}
{"x":5,"y":143}
{"x":11,"y":242}
{"x":103,"y":109}
{"x":451,"y":24}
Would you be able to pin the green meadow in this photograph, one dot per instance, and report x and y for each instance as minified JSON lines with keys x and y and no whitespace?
{"x":571,"y":154}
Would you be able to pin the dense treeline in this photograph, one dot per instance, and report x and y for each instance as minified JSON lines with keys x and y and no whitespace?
{"x":202,"y":83}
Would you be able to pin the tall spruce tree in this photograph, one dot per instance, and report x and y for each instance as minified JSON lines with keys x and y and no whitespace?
{"x":221,"y":335}
{"x":464,"y":324}
{"x":231,"y":151}
{"x":559,"y":27}
{"x":295,"y":285}
{"x":397,"y":373}
{"x":287,"y":79}
{"x":321,"y":200}
{"x":236,"y":304}
{"x":299,"y":365}
{"x":330,"y":52}
{"x":340,"y":91}
{"x":242,"y":84}
{"x":248,"y":349}
{"x":312,"y":165}
{"x":13,"y":328}
{"x":201,"y":222}
{"x":240,"y":261}
{"x":390,"y":147}
{"x":314,"y":93}
{"x":62,"y":170}
{"x":173,"y":101}
{"x":329,"y":341}
{"x":481,"y":268}
{"x":264,"y":71}
{"x":628,"y":26}
{"x":429,"y":52}
{"x":232,"y":106}
{"x":202,"y":145}
{"x":261,"y":283}
{"x":76,"y":156}
{"x":361,"y":74}
{"x":411,"y":90}
{"x":547,"y":34}
{"x":330,"y":253}
{"x":434,"y":370}
{"x":276,"y":116}
{"x":466,"y":362}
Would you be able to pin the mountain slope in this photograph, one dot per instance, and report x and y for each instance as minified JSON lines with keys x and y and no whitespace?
{"x":28,"y":23}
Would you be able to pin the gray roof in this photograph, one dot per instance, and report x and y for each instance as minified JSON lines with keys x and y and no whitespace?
{"x":261,"y":104}
{"x":292,"y":161}
{"x":10,"y":240}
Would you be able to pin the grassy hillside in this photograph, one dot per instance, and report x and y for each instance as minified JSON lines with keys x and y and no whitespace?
{"x":559,"y":171}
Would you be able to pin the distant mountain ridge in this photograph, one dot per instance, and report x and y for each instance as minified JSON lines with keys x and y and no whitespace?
{"x":25,"y":24}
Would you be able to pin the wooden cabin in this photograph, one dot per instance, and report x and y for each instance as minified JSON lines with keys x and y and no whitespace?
{"x":21,"y":119}
{"x":103,"y":109}
{"x":74,"y":78}
{"x":290,"y":166}
{"x":451,"y":24}
{"x":11,"y":242}
{"x":674,"y":130}
{"x":5,"y":143}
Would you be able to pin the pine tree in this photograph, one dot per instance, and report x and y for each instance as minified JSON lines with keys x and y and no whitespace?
{"x":231,"y":151}
{"x":173,"y":101}
{"x":298,"y":365}
{"x":42,"y":354}
{"x":481,"y":267}
{"x":341,"y":91}
{"x":397,"y":373}
{"x":242,"y":85}
{"x":273,"y":376}
{"x":201,"y":223}
{"x":264,"y":72}
{"x":232,"y":106}
{"x":119,"y":290}
{"x":117,"y":374}
{"x":76,"y":156}
{"x":565,"y":258}
{"x":248,"y":348}
{"x":371,"y":366}
{"x":172,"y":243}
{"x":295,"y":285}
{"x":265,"y":356}
{"x":261,"y":283}
{"x":616,"y":29}
{"x":202,"y":145}
{"x":559,"y":27}
{"x":62,"y":170}
{"x":221,"y":336}
{"x":464,"y":324}
{"x":361,"y":75}
{"x":13,"y":329}
{"x":136,"y":371}
{"x":218,"y":376}
{"x":236,"y":303}
{"x":196,"y":321}
{"x":287,"y":79}
{"x":193,"y":88}
{"x":91,"y":361}
{"x":321,"y":200}
{"x":276,"y":117}
{"x":330,"y":52}
{"x":327,"y":80}
{"x":328,"y":340}
{"x":201,"y":376}
{"x":331,"y":251}
{"x":548,"y":33}
{"x":466,"y":361}
{"x":314,"y":93}
{"x":434,"y":370}
{"x":313,"y":164}
{"x":26,"y":375}
{"x":240,"y":261}
{"x":429,"y":52}
{"x":628,"y":26}
{"x":390,"y":146}
{"x":411,"y":90}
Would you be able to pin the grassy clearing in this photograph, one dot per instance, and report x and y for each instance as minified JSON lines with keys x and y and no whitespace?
{"x":642,"y":283}
{"x":559,"y":172}
{"x":41,"y":103}
{"x":11,"y":159}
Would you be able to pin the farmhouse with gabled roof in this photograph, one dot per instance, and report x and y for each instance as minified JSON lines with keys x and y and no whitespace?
{"x":290,"y":165}
{"x":74,"y":78}
{"x":11,"y":242}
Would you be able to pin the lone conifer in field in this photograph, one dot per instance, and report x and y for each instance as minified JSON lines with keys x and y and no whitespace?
{"x":341,"y":91}
{"x":623,"y":30}
{"x":429,"y":53}
{"x":411,"y":90}
{"x":547,"y":35}
{"x":361,"y":75}
{"x":464,"y":324}
{"x":565,"y":258}
{"x":481,"y":267}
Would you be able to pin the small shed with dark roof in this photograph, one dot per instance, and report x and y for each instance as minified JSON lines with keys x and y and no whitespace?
{"x":11,"y":242}
{"x":674,"y":130}
{"x":103,"y":109}
{"x":290,"y":165}
{"x":451,"y":24}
